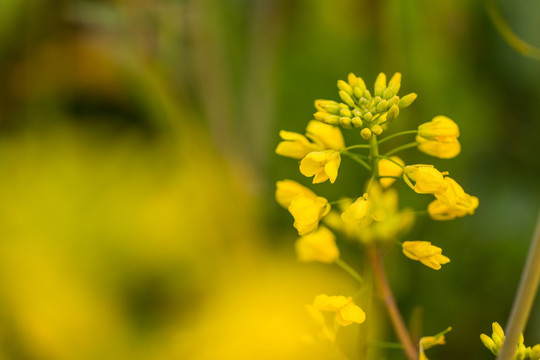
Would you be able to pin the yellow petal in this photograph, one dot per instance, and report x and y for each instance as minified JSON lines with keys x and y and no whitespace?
{"x":287,"y":190}
{"x":390,"y":168}
{"x":319,"y":245}
{"x":349,"y":314}
{"x":329,"y":136}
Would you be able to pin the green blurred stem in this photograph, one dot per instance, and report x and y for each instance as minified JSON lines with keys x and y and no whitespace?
{"x":398,"y":134}
{"x":342,"y":264}
{"x":375,"y":258}
{"x":384,"y":344}
{"x":357,"y":159}
{"x":528,"y":286}
{"x":374,"y":154}
{"x":359,"y":146}
{"x":402,"y":147}
{"x":508,"y":34}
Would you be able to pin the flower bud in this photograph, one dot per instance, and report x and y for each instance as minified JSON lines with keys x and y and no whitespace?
{"x":352,"y":79}
{"x":395,"y":83}
{"x":392,"y":113}
{"x":347,"y":99}
{"x":441,"y":129}
{"x":343,"y":86}
{"x":377,"y":129}
{"x":356,"y":121}
{"x":407,"y":100}
{"x":380,"y":84}
{"x":366,"y":133}
{"x":345,"y":122}
{"x":382,"y":106}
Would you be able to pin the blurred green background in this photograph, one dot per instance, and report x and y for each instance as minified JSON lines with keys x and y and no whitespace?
{"x":137,"y":170}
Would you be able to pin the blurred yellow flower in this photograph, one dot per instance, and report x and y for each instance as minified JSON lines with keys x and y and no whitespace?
{"x":427,"y":254}
{"x":390,"y":168}
{"x":428,"y":342}
{"x":427,"y":179}
{"x":322,"y":165}
{"x":347,"y":312}
{"x":441,"y":150}
{"x":440,"y":128}
{"x":496,"y":341}
{"x":322,"y":136}
{"x":357,"y":211}
{"x":287,"y":190}
{"x":307,"y":211}
{"x":453,"y":194}
{"x":319,"y":245}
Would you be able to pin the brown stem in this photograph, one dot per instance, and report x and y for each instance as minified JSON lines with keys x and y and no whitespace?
{"x":390,"y":303}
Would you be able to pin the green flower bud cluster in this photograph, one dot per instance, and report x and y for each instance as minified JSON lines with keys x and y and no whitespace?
{"x":361,"y":109}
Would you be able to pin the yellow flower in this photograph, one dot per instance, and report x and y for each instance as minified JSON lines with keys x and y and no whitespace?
{"x":453,"y":202}
{"x":441,"y":129}
{"x":427,"y":179}
{"x":390,"y":168}
{"x":287,"y":190}
{"x":295,"y":145}
{"x":441,"y":150}
{"x":427,"y":254}
{"x":428,"y":342}
{"x":322,"y":136}
{"x":496,"y":341}
{"x":307,"y":211}
{"x":358,"y":211}
{"x":319,"y":245}
{"x":347,"y":312}
{"x":323,"y":165}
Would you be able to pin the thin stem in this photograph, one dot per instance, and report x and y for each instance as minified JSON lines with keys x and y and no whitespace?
{"x":374,"y":154}
{"x":385,"y":344}
{"x":335,"y":202}
{"x":402,"y":147}
{"x":523,"y":302}
{"x":359,"y":146}
{"x":398,"y":134}
{"x":342,"y":264}
{"x":358,"y":160}
{"x":390,"y":303}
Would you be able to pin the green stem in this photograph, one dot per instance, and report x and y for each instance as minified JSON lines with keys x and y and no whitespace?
{"x":342,"y":264}
{"x":374,"y":154}
{"x":359,"y":146}
{"x":335,"y":202}
{"x":402,"y":333}
{"x":402,"y":147}
{"x":357,"y":159}
{"x":524,"y":299}
{"x":385,"y":344}
{"x":398,"y":134}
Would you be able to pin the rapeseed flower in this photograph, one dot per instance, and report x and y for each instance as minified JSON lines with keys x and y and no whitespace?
{"x":441,"y":150}
{"x":287,"y":190}
{"x":322,"y":165}
{"x":428,"y":342}
{"x":441,"y":129}
{"x":347,"y":312}
{"x":307,"y":212}
{"x":427,"y":254}
{"x":320,"y":245}
{"x":452,"y":203}
{"x":390,"y":168}
{"x":427,"y":179}
{"x":322,"y":136}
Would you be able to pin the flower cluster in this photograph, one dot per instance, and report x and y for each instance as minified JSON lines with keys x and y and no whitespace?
{"x":374,"y":218}
{"x":496,"y":341}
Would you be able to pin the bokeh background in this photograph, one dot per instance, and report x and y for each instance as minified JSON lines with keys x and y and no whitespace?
{"x":137,"y":171}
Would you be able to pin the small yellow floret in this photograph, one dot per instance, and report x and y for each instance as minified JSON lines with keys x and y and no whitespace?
{"x":357,"y":211}
{"x":307,"y":212}
{"x":347,"y":312}
{"x":441,"y":129}
{"x":427,"y":254}
{"x":427,"y":179}
{"x":446,"y":150}
{"x":390,"y":168}
{"x":287,"y":190}
{"x":322,"y":165}
{"x":319,"y":245}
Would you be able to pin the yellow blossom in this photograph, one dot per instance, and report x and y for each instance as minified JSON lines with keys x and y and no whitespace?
{"x":319,"y":245}
{"x":428,"y":342}
{"x":390,"y":168}
{"x":453,"y":194}
{"x":322,"y":165}
{"x":427,"y":254}
{"x":453,"y":202}
{"x":427,"y":179}
{"x":347,"y":312}
{"x":441,"y":150}
{"x":287,"y":190}
{"x":307,"y":211}
{"x":357,"y":211}
{"x":322,"y":136}
{"x":496,"y":341}
{"x":441,"y":129}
